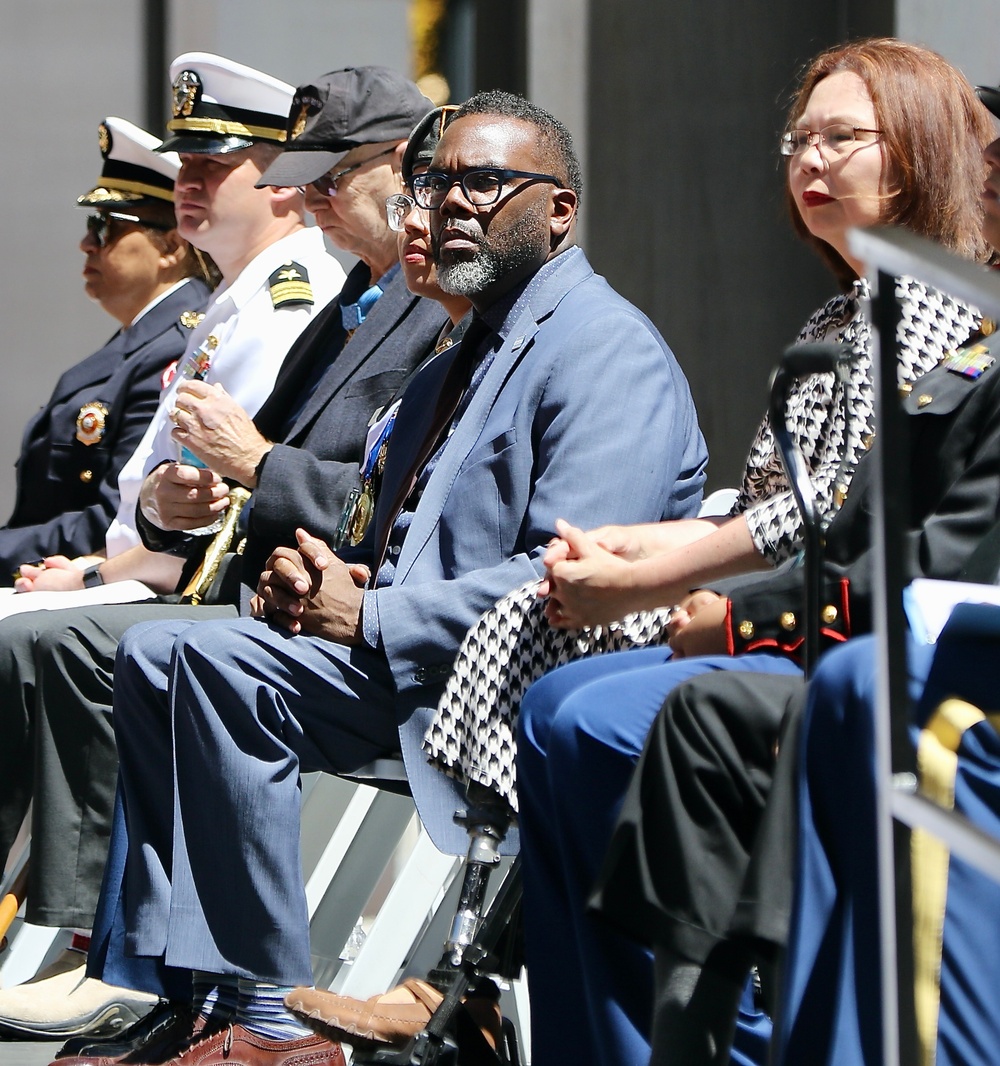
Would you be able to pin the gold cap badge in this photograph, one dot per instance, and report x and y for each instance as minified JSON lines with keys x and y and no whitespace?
{"x":186,"y":88}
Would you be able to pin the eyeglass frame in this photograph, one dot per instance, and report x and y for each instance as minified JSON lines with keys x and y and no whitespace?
{"x":399,"y":204}
{"x":326,"y":184}
{"x":417,"y":183}
{"x":99,"y":225}
{"x":818,"y":138}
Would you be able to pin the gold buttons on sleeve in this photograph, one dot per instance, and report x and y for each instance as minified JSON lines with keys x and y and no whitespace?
{"x":746,"y":629}
{"x":924,"y":399}
{"x":829,"y":614}
{"x":86,"y":476}
{"x":787,"y":620}
{"x":905,"y":389}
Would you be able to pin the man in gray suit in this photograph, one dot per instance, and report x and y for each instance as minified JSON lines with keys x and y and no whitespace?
{"x":562,"y":399}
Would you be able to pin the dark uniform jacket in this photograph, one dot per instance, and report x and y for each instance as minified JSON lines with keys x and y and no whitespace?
{"x":67,"y":487}
{"x":955,"y":501}
{"x":318,"y":411}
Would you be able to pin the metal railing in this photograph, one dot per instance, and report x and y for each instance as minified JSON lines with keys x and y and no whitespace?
{"x":890,"y":253}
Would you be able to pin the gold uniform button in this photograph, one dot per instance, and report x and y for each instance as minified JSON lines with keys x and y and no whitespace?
{"x":746,"y":629}
{"x":86,"y":476}
{"x":988,"y":327}
{"x":839,"y":495}
{"x":829,"y":614}
{"x":867,"y":441}
{"x":905,"y":390}
{"x":924,"y":399}
{"x":787,"y":620}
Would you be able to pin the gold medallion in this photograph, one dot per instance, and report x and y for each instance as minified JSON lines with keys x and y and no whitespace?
{"x":363,"y":511}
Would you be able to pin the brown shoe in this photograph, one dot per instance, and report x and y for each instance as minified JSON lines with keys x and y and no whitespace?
{"x":234,"y":1044}
{"x":392,"y":1018}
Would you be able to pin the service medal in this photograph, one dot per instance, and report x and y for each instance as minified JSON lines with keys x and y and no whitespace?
{"x":91,"y":423}
{"x":363,"y":511}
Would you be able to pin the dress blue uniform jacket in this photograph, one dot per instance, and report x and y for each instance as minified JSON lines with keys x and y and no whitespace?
{"x":67,"y":491}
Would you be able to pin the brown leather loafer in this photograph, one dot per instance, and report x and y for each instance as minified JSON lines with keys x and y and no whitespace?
{"x":392,"y":1018}
{"x":234,"y":1044}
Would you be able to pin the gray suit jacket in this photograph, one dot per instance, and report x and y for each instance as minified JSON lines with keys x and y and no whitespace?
{"x":584,"y":414}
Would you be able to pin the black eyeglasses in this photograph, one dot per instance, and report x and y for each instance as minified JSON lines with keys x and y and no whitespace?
{"x":102,"y":227}
{"x":327,"y":184}
{"x":481,"y":186}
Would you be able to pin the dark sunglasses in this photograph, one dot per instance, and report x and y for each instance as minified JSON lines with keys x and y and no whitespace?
{"x":102,"y":227}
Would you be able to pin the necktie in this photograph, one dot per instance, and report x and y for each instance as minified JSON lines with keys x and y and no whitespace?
{"x":452,"y":389}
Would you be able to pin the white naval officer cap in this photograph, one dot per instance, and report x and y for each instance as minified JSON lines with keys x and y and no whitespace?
{"x":220,"y":106}
{"x":133,"y":174}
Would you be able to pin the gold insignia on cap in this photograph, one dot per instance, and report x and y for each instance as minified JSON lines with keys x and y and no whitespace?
{"x":828,"y":614}
{"x":103,"y":139}
{"x":746,"y":629}
{"x":788,"y":620}
{"x":300,"y":121}
{"x":91,"y":423}
{"x":186,"y":88}
{"x":289,"y":286}
{"x":190,"y":319}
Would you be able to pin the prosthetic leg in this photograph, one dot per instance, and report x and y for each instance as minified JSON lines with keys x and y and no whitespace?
{"x":482,"y":941}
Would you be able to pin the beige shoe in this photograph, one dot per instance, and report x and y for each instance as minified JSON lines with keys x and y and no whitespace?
{"x":61,"y":1000}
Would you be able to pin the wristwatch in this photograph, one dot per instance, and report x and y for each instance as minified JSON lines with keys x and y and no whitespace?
{"x":92,"y":576}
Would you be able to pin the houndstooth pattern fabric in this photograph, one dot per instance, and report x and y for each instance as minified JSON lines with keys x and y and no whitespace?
{"x":472,"y":736}
{"x":931,"y":325}
{"x":509,"y":648}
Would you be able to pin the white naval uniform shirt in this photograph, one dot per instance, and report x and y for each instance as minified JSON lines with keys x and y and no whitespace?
{"x":253,"y":338}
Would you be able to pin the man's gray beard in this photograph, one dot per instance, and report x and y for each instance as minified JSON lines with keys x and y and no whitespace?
{"x":470,"y":276}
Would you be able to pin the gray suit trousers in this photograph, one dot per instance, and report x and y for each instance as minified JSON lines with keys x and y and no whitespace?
{"x":214,"y":723}
{"x":57,"y":745}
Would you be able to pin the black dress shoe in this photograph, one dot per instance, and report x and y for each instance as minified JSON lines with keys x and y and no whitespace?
{"x":167,"y":1028}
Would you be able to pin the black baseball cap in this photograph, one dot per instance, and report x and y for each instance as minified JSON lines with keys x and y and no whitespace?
{"x":424,"y":139}
{"x":340,"y":111}
{"x":990,"y":97}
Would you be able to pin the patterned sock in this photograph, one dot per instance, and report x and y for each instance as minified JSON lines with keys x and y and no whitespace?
{"x":262,"y":1010}
{"x":215,"y":995}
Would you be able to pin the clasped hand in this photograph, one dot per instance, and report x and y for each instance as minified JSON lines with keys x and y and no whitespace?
{"x":308,"y":589}
{"x":212,"y":425}
{"x":182,"y":497}
{"x":588,"y":577}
